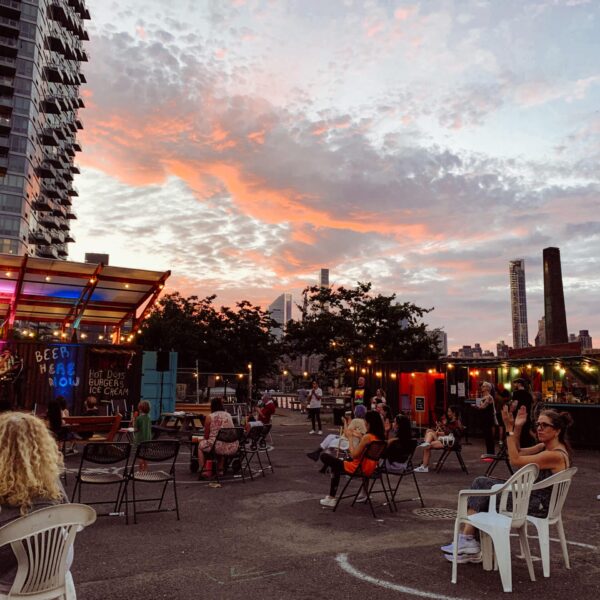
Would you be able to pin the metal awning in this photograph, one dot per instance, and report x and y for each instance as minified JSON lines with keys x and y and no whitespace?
{"x":72,"y":293}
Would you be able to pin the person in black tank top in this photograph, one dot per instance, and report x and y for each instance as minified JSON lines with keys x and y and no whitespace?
{"x":552,"y":455}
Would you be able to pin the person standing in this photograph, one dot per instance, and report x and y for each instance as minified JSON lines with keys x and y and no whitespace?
{"x":522,"y":397}
{"x":487,"y":410}
{"x":142,"y":428}
{"x":315,"y":397}
{"x":360,"y":393}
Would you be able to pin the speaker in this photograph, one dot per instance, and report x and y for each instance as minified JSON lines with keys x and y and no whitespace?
{"x":162,"y":360}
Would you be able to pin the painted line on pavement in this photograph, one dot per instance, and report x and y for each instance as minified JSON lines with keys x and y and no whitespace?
{"x":342,"y":560}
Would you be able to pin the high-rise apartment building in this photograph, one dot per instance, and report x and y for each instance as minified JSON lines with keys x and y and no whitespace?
{"x":518,"y":303}
{"x":441,"y":339}
{"x":41,"y":51}
{"x":554,"y":298}
{"x":323,"y":278}
{"x":585,"y":338}
{"x":281,"y":313}
{"x":540,"y":338}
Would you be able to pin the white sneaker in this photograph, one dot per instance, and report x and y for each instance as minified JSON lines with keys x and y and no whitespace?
{"x":598,"y":497}
{"x":320,"y":432}
{"x":328,"y":501}
{"x":422,"y":469}
{"x":465,"y":558}
{"x":424,"y":445}
{"x":311,"y":432}
{"x":361,"y":499}
{"x":466,"y":545}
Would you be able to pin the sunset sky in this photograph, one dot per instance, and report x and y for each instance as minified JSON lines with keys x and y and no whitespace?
{"x":419,"y":145}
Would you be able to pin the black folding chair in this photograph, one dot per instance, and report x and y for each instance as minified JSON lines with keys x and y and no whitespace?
{"x":373,"y":452}
{"x":455,"y":449}
{"x":251,"y":449}
{"x":155,"y":451}
{"x":501,"y":456}
{"x":390,"y":470}
{"x":263,"y":444}
{"x":229,"y":435}
{"x":105,"y":454}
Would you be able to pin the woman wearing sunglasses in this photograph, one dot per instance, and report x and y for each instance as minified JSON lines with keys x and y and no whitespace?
{"x":551,"y":454}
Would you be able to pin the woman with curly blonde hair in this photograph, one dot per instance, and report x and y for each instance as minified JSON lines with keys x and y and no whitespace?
{"x":30,"y":466}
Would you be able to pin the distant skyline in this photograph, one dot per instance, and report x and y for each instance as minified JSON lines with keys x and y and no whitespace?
{"x":417,"y":145}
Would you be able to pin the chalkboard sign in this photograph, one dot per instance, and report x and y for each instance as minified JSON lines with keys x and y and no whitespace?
{"x":419,"y":403}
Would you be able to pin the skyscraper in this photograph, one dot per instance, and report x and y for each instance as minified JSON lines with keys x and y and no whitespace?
{"x":323,"y":278}
{"x":281,"y":313}
{"x":518,"y":303}
{"x":554,"y":298}
{"x":41,"y":51}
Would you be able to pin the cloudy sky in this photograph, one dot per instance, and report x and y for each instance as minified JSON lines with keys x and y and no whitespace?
{"x":245,"y":144}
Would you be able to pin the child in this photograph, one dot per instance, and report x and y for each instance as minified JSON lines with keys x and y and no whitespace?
{"x":142,"y":429}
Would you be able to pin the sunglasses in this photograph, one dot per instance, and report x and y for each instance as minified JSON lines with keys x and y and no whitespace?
{"x":544,"y":426}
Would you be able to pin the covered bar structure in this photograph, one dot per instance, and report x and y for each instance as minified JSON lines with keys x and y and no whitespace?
{"x":47,"y":307}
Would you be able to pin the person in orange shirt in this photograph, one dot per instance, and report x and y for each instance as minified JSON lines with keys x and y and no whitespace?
{"x":338,"y":466}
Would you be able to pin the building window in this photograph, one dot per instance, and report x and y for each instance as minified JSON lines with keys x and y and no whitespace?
{"x":9,"y":246}
{"x":10,"y":225}
{"x":10,"y":203}
{"x":13,"y":181}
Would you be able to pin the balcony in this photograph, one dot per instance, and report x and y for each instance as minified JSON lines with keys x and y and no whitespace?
{"x":39,"y":237}
{"x":82,"y":78}
{"x":66,"y":200}
{"x":58,"y":237}
{"x":62,"y":251}
{"x":4,"y":144}
{"x":42,"y":203}
{"x":3,"y":165}
{"x":47,"y":220}
{"x":46,"y":170}
{"x":80,"y":103}
{"x":5,"y":125}
{"x":53,"y":73}
{"x":70,"y":150}
{"x":8,"y":65}
{"x":59,"y":212}
{"x":71,"y":126}
{"x":73,"y":191}
{"x":9,"y":27}
{"x":75,"y":169}
{"x":49,"y":189}
{"x":10,"y":9}
{"x":55,"y":42}
{"x":7,"y":84}
{"x":76,"y":146}
{"x":51,"y":105}
{"x":69,"y":238}
{"x":47,"y":252}
{"x":71,"y":216}
{"x":8,"y":46}
{"x":64,"y":225}
{"x":48,"y":137}
{"x":57,"y":12}
{"x":67,"y":175}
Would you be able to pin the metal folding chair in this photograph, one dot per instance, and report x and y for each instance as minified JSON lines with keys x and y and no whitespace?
{"x":373,"y":452}
{"x":155,"y":451}
{"x":229,"y":435}
{"x":105,"y":454}
{"x":408,"y":471}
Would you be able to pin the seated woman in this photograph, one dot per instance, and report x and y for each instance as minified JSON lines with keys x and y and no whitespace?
{"x":386,"y":414}
{"x":218,"y":419}
{"x":400,"y":444}
{"x":339,"y":466}
{"x":445,"y":433}
{"x":353,"y":430}
{"x":552,"y":454}
{"x":30,"y":466}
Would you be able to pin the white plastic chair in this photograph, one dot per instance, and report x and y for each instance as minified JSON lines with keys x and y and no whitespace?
{"x":560,"y":483}
{"x":41,"y":542}
{"x":496,"y":525}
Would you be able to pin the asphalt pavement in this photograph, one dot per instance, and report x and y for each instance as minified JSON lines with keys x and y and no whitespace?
{"x":270,"y":538}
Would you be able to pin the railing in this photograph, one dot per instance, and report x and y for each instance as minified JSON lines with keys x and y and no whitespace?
{"x":11,"y":4}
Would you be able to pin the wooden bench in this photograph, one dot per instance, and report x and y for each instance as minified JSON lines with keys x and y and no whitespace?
{"x":104,"y":428}
{"x":196,"y":409}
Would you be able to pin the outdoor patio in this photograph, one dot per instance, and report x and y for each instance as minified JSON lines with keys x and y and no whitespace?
{"x":271,"y":538}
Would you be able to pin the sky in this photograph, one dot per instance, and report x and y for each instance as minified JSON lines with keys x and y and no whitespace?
{"x":421,"y":146}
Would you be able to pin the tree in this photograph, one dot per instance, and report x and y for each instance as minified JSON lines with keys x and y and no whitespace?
{"x":345,"y":326}
{"x":222,"y":340}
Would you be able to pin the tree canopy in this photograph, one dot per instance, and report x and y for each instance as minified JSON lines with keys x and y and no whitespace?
{"x":221,"y":340}
{"x":351,"y":324}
